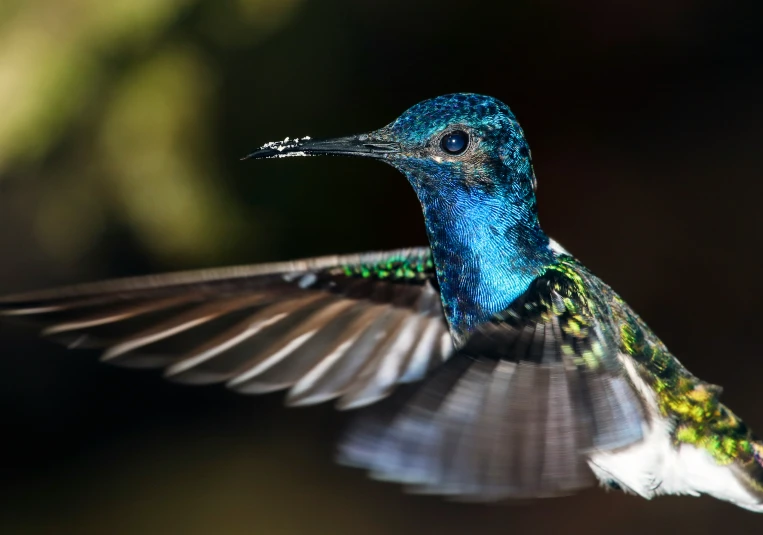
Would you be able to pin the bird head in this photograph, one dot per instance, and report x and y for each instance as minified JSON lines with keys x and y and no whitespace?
{"x":460,"y":141}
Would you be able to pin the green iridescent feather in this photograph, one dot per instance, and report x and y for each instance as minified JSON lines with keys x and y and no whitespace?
{"x":413,"y":267}
{"x":699,"y":418}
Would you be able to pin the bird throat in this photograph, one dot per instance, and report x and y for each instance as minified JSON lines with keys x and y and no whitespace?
{"x":487,"y":247}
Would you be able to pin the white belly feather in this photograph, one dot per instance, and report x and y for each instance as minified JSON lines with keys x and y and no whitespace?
{"x":655,"y":466}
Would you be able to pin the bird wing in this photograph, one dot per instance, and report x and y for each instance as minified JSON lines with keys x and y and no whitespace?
{"x":348,"y":327}
{"x":517,"y":410}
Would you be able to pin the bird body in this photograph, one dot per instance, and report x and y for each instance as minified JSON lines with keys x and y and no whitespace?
{"x":489,"y":365}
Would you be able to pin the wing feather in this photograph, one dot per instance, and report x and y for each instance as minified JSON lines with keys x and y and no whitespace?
{"x":516,"y":412}
{"x":349,"y":327}
{"x":513,"y":413}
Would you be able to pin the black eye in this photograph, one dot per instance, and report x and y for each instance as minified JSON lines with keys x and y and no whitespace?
{"x":455,"y":142}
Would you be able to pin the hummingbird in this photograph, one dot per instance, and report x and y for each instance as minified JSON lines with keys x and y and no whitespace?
{"x":487,"y":366}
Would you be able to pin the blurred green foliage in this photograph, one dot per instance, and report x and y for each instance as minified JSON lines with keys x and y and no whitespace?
{"x":130,"y":75}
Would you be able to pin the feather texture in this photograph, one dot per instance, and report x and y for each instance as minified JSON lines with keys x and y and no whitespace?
{"x":349,"y":327}
{"x":516,"y":412}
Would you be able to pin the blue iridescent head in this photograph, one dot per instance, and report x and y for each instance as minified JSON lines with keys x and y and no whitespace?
{"x":468,"y":161}
{"x":458,"y":140}
{"x":461,"y":140}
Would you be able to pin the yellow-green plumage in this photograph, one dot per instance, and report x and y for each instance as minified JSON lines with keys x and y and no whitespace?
{"x":691,"y":406}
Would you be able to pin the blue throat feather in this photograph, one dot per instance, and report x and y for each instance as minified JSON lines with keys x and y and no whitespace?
{"x":487,"y":249}
{"x":480,"y":213}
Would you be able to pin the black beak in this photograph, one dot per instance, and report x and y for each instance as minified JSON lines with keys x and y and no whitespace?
{"x":362,"y":145}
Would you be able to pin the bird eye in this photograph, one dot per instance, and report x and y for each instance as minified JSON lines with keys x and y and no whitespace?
{"x":455,"y":142}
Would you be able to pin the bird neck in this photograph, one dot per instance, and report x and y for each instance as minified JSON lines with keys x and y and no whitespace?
{"x":487,"y":247}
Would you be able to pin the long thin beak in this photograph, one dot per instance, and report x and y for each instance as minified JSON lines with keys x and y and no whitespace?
{"x":362,"y":145}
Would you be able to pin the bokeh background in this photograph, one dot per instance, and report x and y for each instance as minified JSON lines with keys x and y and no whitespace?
{"x":121,"y":127}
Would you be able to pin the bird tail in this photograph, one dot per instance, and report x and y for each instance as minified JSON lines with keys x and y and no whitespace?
{"x":748,"y":469}
{"x":723,"y":459}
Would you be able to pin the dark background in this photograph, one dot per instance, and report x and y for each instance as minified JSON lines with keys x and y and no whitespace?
{"x":120,"y":135}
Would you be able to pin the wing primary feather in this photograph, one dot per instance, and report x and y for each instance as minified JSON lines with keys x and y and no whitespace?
{"x":386,"y":369}
{"x":492,"y":443}
{"x":359,"y":384}
{"x":181,"y":323}
{"x":533,"y":445}
{"x":422,"y":355}
{"x":383,"y":372}
{"x":327,"y":325}
{"x":410,"y":448}
{"x":565,"y":432}
{"x":379,"y":323}
{"x":274,"y":353}
{"x":119,"y":313}
{"x":227,"y":341}
{"x":336,"y":375}
{"x":455,"y":468}
{"x":220,"y":359}
{"x":304,"y":395}
{"x":271,"y":360}
{"x":394,"y":439}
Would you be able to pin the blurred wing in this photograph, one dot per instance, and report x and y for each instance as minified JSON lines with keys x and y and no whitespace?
{"x":343,"y":326}
{"x":516,"y":412}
